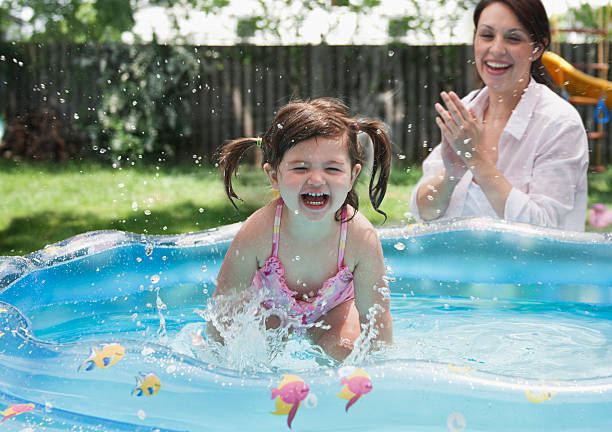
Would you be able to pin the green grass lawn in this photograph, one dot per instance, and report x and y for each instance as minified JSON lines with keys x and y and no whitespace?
{"x":41,"y":204}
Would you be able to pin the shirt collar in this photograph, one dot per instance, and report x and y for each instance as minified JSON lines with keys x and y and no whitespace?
{"x":517,"y":124}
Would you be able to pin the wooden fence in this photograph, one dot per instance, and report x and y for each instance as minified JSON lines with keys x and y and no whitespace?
{"x":239,"y":94}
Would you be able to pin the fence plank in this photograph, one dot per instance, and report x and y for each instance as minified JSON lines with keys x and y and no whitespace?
{"x":238,"y":89}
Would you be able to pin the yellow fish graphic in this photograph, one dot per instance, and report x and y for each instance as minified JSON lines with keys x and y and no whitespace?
{"x":108,"y":355}
{"x":289,"y":395}
{"x":148,"y":384}
{"x":16,"y":409}
{"x":457,"y":369}
{"x":355,"y":386}
{"x":539,"y":397}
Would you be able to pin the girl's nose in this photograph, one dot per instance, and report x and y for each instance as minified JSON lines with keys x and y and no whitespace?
{"x":316,"y":178}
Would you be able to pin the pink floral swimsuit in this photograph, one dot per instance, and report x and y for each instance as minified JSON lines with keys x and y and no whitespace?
{"x":336,"y":290}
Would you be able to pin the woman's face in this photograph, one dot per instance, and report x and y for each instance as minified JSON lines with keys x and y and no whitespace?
{"x":503,"y":49}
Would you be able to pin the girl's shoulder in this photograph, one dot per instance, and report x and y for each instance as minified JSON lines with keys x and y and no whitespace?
{"x":255,"y":234}
{"x":362,"y":240}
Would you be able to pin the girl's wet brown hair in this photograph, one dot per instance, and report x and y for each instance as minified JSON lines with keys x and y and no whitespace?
{"x":532,"y":15}
{"x":323,"y":117}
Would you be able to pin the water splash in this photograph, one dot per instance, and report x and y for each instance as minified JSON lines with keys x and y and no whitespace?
{"x":160,"y":305}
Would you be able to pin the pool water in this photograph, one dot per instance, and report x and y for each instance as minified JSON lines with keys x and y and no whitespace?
{"x":558,"y":341}
{"x":497,"y":327}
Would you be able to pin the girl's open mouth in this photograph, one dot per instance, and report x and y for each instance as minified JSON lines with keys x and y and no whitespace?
{"x":314,"y":200}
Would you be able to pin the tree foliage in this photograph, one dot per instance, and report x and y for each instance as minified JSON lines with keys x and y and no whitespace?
{"x":107,"y":20}
{"x":585,"y":16}
{"x":82,"y":20}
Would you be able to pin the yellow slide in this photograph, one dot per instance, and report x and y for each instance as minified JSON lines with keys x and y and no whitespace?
{"x":576,"y":83}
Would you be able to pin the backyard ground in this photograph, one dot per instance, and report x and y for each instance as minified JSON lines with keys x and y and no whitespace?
{"x":41,"y":204}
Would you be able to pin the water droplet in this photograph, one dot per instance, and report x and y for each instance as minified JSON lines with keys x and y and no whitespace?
{"x":401,"y":156}
{"x":311,"y":401}
{"x":468,"y":155}
{"x":201,"y":210}
{"x":147,"y":212}
{"x":121,"y":185}
{"x":76,"y":116}
{"x":399,"y":246}
{"x":48,"y":407}
{"x":456,"y":422}
{"x":141,"y":414}
{"x":391,"y":53}
{"x":138,"y":259}
{"x":154,"y":279}
{"x":280,"y":126}
{"x":134,"y":205}
{"x":430,"y":198}
{"x":146,"y":351}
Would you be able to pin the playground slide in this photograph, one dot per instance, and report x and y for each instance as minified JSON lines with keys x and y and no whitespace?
{"x":575,"y":82}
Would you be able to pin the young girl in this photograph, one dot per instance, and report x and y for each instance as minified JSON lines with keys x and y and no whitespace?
{"x":319,"y":260}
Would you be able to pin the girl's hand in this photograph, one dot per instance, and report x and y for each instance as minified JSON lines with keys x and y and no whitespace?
{"x":461,"y":128}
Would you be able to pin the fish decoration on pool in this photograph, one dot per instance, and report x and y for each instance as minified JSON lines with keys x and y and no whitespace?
{"x":148,"y":384}
{"x":355,"y":385}
{"x":289,"y":395}
{"x":539,"y":397}
{"x":16,"y":409}
{"x":108,"y":355}
{"x":457,"y":369}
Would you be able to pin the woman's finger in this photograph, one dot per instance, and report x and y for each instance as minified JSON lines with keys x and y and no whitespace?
{"x":447,"y":119}
{"x":465,"y":113}
{"x":454,"y":108}
{"x":444,"y":129}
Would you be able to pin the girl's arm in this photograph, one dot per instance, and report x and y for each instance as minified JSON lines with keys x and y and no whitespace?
{"x":371,"y":288}
{"x":238,"y":267}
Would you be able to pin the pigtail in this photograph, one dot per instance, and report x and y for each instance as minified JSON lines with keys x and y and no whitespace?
{"x":230,"y":156}
{"x":381,"y":163}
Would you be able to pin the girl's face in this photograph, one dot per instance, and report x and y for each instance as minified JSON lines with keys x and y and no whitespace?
{"x":503,"y":49}
{"x":314,"y":177}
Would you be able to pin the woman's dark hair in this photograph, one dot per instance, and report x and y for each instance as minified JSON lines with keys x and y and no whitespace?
{"x":532,"y":15}
{"x":324,"y":117}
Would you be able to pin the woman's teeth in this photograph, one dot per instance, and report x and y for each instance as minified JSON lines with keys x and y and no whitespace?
{"x":494,"y":65}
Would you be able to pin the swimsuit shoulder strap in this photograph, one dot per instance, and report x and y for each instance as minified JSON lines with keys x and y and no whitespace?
{"x":343,"y":229}
{"x":277,"y":220}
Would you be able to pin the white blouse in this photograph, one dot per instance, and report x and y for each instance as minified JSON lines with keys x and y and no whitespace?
{"x":543,"y":153}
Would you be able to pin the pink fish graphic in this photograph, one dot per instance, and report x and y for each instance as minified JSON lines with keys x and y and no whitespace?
{"x":16,"y":409}
{"x":355,"y":386}
{"x":290,"y":393}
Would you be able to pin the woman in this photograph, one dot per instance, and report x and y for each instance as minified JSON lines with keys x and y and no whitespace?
{"x":514,"y":149}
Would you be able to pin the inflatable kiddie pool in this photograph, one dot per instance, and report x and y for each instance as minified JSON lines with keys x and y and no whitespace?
{"x":498,"y":326}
